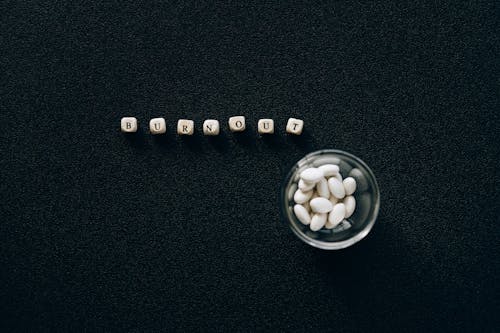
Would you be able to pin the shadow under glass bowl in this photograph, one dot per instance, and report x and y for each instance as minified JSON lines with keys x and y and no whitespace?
{"x":367,"y":196}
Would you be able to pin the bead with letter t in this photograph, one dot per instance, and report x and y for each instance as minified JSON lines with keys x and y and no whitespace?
{"x":295,"y":126}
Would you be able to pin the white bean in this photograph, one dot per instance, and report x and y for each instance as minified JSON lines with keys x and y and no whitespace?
{"x":302,"y":214}
{"x":317,"y":222}
{"x":322,"y":188}
{"x":314,"y":196}
{"x":304,"y":186}
{"x":306,"y":206}
{"x":349,"y":185}
{"x":337,"y":214}
{"x":329,"y":225}
{"x":301,"y":197}
{"x":336,"y":188}
{"x":312,"y":175}
{"x":338,"y":176}
{"x":329,"y":169}
{"x":321,"y":205}
{"x":350,"y":206}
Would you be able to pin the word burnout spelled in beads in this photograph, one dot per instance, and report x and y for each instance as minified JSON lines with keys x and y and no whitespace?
{"x":211,"y":126}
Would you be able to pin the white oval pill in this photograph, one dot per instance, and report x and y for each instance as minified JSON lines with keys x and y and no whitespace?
{"x":320,"y":205}
{"x":301,"y":197}
{"x":344,"y":225}
{"x":322,"y":188}
{"x":304,"y":186}
{"x":329,"y":169}
{"x":314,"y":196}
{"x":349,"y":185}
{"x":336,"y":188}
{"x":311,"y":175}
{"x":302,"y":214}
{"x":329,"y":225}
{"x":306,"y":206}
{"x":317,"y":222}
{"x":338,"y":176}
{"x":337,"y":214}
{"x":350,"y":205}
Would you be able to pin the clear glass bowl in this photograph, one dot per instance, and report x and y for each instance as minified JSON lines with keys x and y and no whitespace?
{"x":367,"y":196}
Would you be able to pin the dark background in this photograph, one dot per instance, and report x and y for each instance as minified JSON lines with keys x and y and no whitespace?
{"x":105,"y":231}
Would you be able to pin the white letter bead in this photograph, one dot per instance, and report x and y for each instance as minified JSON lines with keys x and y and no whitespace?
{"x":129,"y":124}
{"x":322,"y":188}
{"x":336,"y":187}
{"x":329,"y":169}
{"x":185,"y":127}
{"x":157,"y":126}
{"x":350,"y":206}
{"x":311,"y":175}
{"x":211,"y":127}
{"x":318,"y":221}
{"x":321,"y":205}
{"x":337,"y":214}
{"x":265,"y":126}
{"x":295,"y":126}
{"x":302,"y":197}
{"x":302,"y":214}
{"x":304,"y":186}
{"x":349,"y":185}
{"x":237,"y":124}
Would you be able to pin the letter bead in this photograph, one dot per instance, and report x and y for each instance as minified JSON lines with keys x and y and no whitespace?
{"x":157,"y":126}
{"x":185,"y":127}
{"x":237,"y":124}
{"x":265,"y":126}
{"x":295,"y":126}
{"x":129,"y":124}
{"x":211,"y":127}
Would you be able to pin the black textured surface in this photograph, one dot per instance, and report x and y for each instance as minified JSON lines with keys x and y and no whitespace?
{"x":102,"y":231}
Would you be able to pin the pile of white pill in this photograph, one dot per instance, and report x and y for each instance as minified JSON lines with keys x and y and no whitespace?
{"x":323,"y":199}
